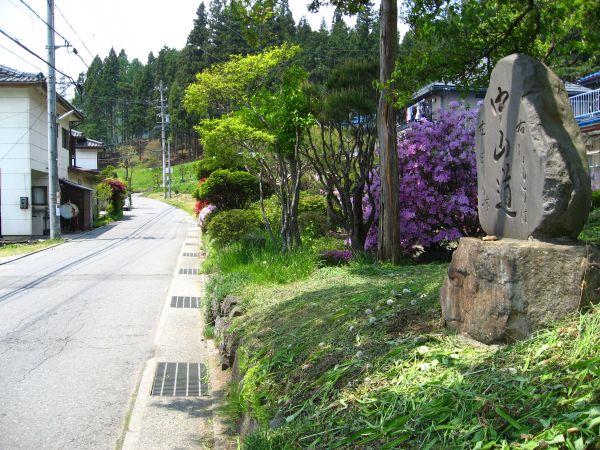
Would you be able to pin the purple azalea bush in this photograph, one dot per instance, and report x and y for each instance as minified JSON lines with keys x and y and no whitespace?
{"x":336,"y":257}
{"x":204,"y":216}
{"x":438,"y":181}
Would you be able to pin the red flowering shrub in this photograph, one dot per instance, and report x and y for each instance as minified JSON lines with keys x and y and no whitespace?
{"x":200,"y":205}
{"x":119,"y":191}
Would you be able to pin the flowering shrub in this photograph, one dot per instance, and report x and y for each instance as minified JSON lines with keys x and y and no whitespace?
{"x":438,"y":181}
{"x":199,"y":206}
{"x":204,"y":217}
{"x":336,"y":257}
{"x":118,"y":191}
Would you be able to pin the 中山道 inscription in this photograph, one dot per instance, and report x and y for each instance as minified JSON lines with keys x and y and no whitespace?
{"x":532,"y":173}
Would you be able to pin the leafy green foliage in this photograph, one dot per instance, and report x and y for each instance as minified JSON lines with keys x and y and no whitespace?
{"x":595,"y":199}
{"x":229,"y":226}
{"x":314,"y":224}
{"x":313,"y":203}
{"x":462,"y":41}
{"x":228,"y":190}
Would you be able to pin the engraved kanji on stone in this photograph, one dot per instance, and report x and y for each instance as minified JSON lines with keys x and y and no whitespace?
{"x":498,"y":102}
{"x":505,"y":193}
{"x":504,"y":146}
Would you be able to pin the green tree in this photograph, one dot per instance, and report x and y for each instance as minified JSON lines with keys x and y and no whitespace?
{"x":261,"y":99}
{"x":388,"y":248}
{"x":341,"y":147}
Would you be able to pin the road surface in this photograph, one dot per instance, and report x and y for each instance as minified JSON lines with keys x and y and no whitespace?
{"x":77,"y":323}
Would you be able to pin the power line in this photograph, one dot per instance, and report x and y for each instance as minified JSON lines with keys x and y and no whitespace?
{"x":39,"y":17}
{"x":24,"y":47}
{"x":67,"y":43}
{"x":21,"y":58}
{"x":73,"y":29}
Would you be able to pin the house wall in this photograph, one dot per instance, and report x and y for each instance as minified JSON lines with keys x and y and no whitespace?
{"x":87,"y":158}
{"x":18,"y":116}
{"x":442,"y":101}
{"x":24,"y":154}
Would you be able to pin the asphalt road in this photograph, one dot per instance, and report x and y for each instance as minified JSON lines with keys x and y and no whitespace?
{"x":77,"y":323}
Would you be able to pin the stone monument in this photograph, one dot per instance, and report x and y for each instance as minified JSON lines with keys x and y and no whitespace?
{"x":534,"y":197}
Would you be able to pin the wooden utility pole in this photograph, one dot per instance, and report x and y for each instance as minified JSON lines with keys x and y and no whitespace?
{"x":388,"y":246}
{"x":53,"y":188}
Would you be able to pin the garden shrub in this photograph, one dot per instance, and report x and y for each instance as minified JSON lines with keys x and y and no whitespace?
{"x":118,"y":193}
{"x":231,"y":225}
{"x":272,"y":210}
{"x":229,"y":190}
{"x":312,"y":202}
{"x":205,"y":215}
{"x":438,"y":182}
{"x":313,"y":224}
{"x":596,"y":199}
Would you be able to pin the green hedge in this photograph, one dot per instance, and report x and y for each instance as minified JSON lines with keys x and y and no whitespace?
{"x":230,"y":226}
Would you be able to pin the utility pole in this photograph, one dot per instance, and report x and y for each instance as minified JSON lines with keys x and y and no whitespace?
{"x":169,"y":164}
{"x":53,"y":188}
{"x":162,"y":135}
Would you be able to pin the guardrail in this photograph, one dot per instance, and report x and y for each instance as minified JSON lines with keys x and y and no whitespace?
{"x":586,"y":106}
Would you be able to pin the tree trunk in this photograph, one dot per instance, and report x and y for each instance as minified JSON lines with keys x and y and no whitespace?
{"x":295,"y":201}
{"x":388,"y":248}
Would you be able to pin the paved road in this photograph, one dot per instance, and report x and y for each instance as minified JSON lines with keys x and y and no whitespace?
{"x":77,"y":324}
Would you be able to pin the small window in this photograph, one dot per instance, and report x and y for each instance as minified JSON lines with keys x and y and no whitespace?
{"x":39,"y":195}
{"x":65,"y":138}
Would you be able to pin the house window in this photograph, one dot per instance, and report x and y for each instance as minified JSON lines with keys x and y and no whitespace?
{"x":65,"y":138}
{"x":39,"y":195}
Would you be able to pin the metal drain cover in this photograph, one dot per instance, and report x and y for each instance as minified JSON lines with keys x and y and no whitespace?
{"x":178,"y":301}
{"x":188,"y":271}
{"x":191,"y":254}
{"x":180,"y":379}
{"x":190,"y":243}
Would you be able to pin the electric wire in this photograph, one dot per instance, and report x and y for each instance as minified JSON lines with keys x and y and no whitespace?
{"x":21,"y":58}
{"x":24,"y":47}
{"x":73,"y":29}
{"x":67,"y":42}
{"x":47,"y":24}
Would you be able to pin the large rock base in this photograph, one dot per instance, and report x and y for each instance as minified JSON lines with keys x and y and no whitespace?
{"x":504,"y":290}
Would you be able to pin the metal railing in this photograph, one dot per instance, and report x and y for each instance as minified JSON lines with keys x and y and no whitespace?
{"x":586,"y":106}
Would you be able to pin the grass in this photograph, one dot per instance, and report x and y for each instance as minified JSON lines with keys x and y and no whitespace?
{"x":182,"y":201}
{"x":149,"y":179}
{"x":357,"y":357}
{"x":27,"y":247}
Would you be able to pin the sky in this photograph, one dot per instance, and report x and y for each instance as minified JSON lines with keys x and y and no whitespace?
{"x":92,"y":27}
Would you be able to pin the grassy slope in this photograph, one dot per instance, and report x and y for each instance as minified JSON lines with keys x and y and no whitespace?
{"x":145,"y":179}
{"x":316,"y":365}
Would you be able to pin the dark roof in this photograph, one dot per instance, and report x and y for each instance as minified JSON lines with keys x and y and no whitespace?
{"x":8,"y":75}
{"x":12,"y":76}
{"x":83,"y":142}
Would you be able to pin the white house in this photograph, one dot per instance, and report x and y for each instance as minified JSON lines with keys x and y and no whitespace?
{"x":24,"y":153}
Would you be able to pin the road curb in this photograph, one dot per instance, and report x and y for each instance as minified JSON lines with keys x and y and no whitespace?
{"x":32,"y":253}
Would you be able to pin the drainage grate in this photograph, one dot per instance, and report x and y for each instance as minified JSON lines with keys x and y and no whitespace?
{"x":178,"y":301}
{"x":190,"y":243}
{"x":188,"y":271}
{"x":180,"y":379}
{"x":191,"y":254}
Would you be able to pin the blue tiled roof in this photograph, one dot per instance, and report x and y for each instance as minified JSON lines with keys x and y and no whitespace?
{"x":591,"y":76}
